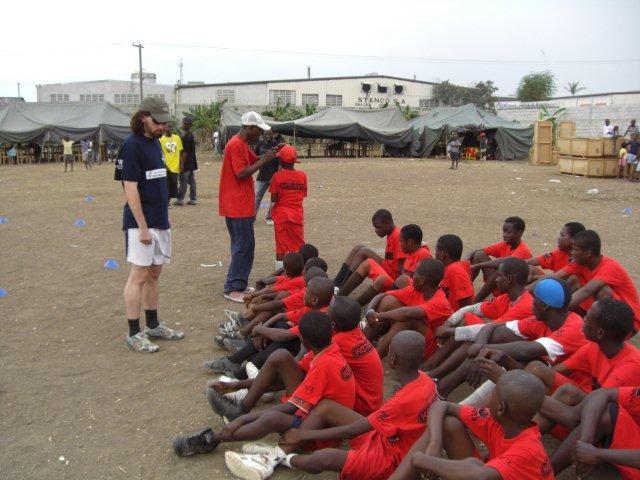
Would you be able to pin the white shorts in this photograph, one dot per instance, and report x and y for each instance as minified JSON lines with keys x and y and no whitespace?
{"x":156,"y":253}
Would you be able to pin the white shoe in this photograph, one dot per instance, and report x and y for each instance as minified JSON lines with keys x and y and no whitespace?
{"x":336,"y":290}
{"x":236,"y":396}
{"x":249,"y":467}
{"x":270,"y":222}
{"x":259,"y":448}
{"x":252,"y":372}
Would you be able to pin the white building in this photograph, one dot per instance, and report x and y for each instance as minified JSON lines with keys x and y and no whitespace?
{"x":359,"y":91}
{"x":569,"y":101}
{"x":123,"y":94}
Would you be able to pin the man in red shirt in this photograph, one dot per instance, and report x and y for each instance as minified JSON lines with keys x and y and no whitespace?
{"x":236,"y":201}
{"x":598,"y":276}
{"x":421,"y":306}
{"x":288,"y":189}
{"x":383,"y":226}
{"x":511,"y":246}
{"x":322,"y":374}
{"x":457,"y":283}
{"x":515,"y":447}
{"x":378,"y":441}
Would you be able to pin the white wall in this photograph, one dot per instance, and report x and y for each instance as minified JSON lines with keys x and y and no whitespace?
{"x":632,"y":98}
{"x":252,"y":94}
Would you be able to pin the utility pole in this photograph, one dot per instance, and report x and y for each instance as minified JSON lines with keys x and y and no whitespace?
{"x":18,"y":89}
{"x":139,"y":46}
{"x":180,"y":65}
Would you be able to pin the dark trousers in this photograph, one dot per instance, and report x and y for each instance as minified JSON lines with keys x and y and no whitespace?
{"x":172,"y":180}
{"x":243,"y":245}
{"x":187,"y":179}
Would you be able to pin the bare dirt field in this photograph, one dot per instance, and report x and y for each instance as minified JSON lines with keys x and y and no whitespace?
{"x":70,"y":388}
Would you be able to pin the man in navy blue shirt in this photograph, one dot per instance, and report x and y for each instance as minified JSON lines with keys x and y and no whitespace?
{"x":140,"y":167}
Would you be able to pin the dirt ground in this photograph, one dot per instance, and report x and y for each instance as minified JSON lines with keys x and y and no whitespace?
{"x":77,"y":404}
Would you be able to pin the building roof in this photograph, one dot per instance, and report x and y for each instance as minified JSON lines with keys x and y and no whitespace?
{"x":102,"y":80}
{"x":313,"y":79}
{"x":564,"y":97}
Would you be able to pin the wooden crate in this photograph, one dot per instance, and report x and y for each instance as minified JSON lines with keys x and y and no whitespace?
{"x":587,"y":147}
{"x":566,"y":129}
{"x":589,"y":166}
{"x":564,"y":146}
{"x":565,"y":164}
{"x":543,"y":132}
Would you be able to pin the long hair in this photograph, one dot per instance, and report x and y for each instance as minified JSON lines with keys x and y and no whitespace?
{"x":136,"y":124}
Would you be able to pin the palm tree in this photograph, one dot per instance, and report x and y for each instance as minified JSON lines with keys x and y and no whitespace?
{"x":574,"y":87}
{"x":206,"y":120}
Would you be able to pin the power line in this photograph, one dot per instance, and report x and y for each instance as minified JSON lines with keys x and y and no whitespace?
{"x":465,"y":61}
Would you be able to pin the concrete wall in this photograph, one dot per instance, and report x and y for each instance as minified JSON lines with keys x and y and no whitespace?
{"x":609,"y":99}
{"x":589,"y":119}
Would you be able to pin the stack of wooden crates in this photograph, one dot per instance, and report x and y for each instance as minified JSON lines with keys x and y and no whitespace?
{"x":591,"y":157}
{"x":542,"y":151}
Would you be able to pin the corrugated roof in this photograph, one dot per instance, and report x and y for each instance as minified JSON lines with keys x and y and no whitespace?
{"x":313,"y":79}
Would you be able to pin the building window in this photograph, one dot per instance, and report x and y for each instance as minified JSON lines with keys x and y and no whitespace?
{"x":82,"y":97}
{"x":382,"y":89}
{"x":66,"y":97}
{"x":310,"y":99}
{"x":282,"y":96}
{"x":228,"y":95}
{"x":427,"y":103}
{"x":334,"y":100}
{"x":59,"y":97}
{"x":101,"y":97}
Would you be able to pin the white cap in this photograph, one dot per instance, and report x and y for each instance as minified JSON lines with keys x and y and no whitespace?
{"x":252,"y":118}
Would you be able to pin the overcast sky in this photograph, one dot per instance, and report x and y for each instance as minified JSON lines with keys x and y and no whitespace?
{"x":464,"y":41}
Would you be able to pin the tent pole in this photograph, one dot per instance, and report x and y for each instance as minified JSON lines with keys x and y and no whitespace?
{"x":44,"y":141}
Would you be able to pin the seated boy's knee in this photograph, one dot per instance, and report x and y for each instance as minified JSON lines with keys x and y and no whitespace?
{"x":536,"y":368}
{"x":569,"y":394}
{"x":378,"y":283}
{"x":280,"y":356}
{"x":451,"y":425}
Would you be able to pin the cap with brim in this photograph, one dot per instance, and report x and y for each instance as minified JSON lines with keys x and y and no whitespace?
{"x":157,"y":108}
{"x":288,"y":154}
{"x":252,"y":118}
{"x":550,"y":292}
{"x":187,"y":120}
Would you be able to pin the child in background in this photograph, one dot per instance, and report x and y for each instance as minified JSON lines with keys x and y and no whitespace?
{"x":622,"y":159}
{"x":453,"y":149}
{"x":288,"y":188}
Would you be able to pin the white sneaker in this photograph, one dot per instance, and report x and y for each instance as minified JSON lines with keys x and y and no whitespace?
{"x":252,"y":372}
{"x":259,"y":448}
{"x":249,"y":467}
{"x":270,"y":222}
{"x":336,"y":290}
{"x":236,"y":396}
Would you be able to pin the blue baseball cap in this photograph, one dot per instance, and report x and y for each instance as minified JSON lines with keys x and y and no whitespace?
{"x":550,"y":292}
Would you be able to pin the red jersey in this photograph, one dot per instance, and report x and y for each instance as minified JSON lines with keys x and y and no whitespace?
{"x":503,"y":249}
{"x":367,"y":369}
{"x":522,"y":457}
{"x":294,"y":316}
{"x":500,"y":309}
{"x":393,"y":254}
{"x":620,"y":371}
{"x":411,"y":260}
{"x":561,"y":343}
{"x":235,"y":195}
{"x":291,"y":187}
{"x":288,"y":284}
{"x":615,"y":277}
{"x":328,"y":376}
{"x":629,"y":399}
{"x":295,"y":300}
{"x":626,"y":435}
{"x":554,"y":261}
{"x":457,"y":283}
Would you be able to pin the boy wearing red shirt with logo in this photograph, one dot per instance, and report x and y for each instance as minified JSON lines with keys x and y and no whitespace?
{"x":457,"y":283}
{"x":511,"y":246}
{"x":292,"y":279}
{"x":421,"y":306}
{"x":288,"y":189}
{"x":413,"y":250}
{"x":391,"y":264}
{"x":515,"y":447}
{"x":378,"y":441}
{"x":322,"y":374}
{"x":598,"y":276}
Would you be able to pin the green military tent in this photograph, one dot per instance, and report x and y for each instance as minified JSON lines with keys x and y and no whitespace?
{"x":40,"y":122}
{"x":514,"y":140}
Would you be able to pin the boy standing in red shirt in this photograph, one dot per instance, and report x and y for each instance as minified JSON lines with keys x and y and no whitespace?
{"x":506,"y":428}
{"x":288,"y":188}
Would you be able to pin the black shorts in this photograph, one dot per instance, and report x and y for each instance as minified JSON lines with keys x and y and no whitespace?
{"x":172,"y":179}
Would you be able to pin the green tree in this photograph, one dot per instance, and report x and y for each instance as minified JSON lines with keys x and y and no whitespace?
{"x":536,"y":86}
{"x":285,"y":113}
{"x":481,"y":94}
{"x":574,"y":87}
{"x":206,"y":120}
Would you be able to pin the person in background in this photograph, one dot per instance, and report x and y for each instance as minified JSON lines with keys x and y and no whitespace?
{"x":172,"y":151}
{"x":453,"y":149}
{"x":216,"y":142}
{"x":85,"y":150}
{"x":112,"y":151}
{"x":12,"y":153}
{"x":263,"y":180}
{"x":189,"y":165}
{"x":67,"y":152}
{"x":631,"y":130}
{"x":622,"y":159}
{"x":484,"y":144}
{"x":632,"y":155}
{"x":607,"y":129}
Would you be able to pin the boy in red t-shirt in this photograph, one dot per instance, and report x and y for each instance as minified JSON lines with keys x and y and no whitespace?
{"x":288,"y":189}
{"x":383,"y":226}
{"x":457,"y":283}
{"x":513,"y":441}
{"x":378,"y":441}
{"x":307,"y":251}
{"x":421,"y":306}
{"x":292,"y":279}
{"x":413,"y":250}
{"x":597,"y":276}
{"x":322,"y":374}
{"x":511,"y":246}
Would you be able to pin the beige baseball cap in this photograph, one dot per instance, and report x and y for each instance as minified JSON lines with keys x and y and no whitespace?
{"x":158,"y":109}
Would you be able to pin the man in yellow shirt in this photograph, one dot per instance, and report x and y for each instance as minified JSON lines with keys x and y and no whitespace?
{"x":172,"y":151}
{"x":67,"y":152}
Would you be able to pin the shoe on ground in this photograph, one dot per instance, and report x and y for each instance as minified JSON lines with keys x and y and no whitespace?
{"x":228,"y":409}
{"x":236,"y":396}
{"x":270,"y":222}
{"x":178,"y":203}
{"x":221,"y":365}
{"x":249,"y":290}
{"x":199,"y":442}
{"x":259,"y":448}
{"x":249,"y":467}
{"x":252,"y":372}
{"x":162,"y":331}
{"x":192,"y":202}
{"x":233,"y":316}
{"x":237,"y":297}
{"x":140,"y":343}
{"x":233,"y":345}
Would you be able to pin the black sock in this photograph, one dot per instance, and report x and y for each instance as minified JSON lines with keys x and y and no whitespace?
{"x":152,"y":318}
{"x":134,"y":326}
{"x":342,"y":275}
